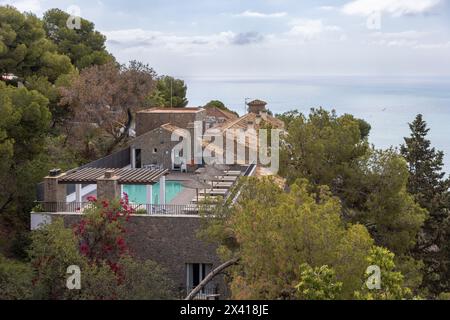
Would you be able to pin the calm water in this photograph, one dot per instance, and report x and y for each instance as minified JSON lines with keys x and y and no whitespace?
{"x":138,"y":193}
{"x":388,"y":104}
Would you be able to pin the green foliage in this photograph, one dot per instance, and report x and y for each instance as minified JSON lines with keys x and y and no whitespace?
{"x":24,"y":49}
{"x":430,"y":187}
{"x":390,"y":211}
{"x":169,"y":92}
{"x":322,"y":148}
{"x":392,"y":286}
{"x":116,"y":275}
{"x":144,"y":281}
{"x":54,"y":248}
{"x":318,"y":283}
{"x":24,"y":123}
{"x":84,"y":46}
{"x":15,"y":280}
{"x":274,"y":232}
{"x":371,"y":184}
{"x":219,"y":105}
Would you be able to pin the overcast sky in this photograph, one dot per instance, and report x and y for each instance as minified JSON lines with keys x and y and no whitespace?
{"x":272,"y":38}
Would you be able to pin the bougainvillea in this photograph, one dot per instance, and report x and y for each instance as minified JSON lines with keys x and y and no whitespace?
{"x":102,"y":232}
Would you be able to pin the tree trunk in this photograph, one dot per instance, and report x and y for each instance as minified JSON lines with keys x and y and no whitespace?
{"x":211,"y":276}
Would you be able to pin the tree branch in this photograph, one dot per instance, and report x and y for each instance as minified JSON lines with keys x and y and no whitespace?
{"x":211,"y":276}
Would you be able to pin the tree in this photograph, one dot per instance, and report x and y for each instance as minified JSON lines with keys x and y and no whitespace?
{"x":384,"y":205}
{"x":430,"y":187}
{"x":84,"y":46}
{"x":371,"y":184}
{"x":170,"y":92}
{"x":15,"y":280}
{"x":392,"y":286}
{"x":24,"y":49}
{"x":322,"y":148}
{"x":24,"y":123}
{"x":53,"y":250}
{"x":102,"y":101}
{"x":97,"y":244}
{"x":318,"y":283}
{"x":219,"y":105}
{"x":273,"y":233}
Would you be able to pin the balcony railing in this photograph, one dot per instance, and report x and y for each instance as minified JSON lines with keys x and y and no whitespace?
{"x":139,"y":209}
{"x":208,"y":293}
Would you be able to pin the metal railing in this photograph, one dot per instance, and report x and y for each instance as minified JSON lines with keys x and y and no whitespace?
{"x":139,"y":209}
{"x":210,"y":292}
{"x":63,"y":207}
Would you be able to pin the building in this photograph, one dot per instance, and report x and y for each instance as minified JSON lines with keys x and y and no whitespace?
{"x":216,"y":116}
{"x":151,"y":119}
{"x":257,"y":106}
{"x":148,"y":170}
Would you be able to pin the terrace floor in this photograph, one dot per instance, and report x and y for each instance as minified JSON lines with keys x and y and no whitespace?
{"x":186,"y":195}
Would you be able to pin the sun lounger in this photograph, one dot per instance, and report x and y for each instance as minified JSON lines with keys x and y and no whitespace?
{"x":206,"y":198}
{"x":214,"y":192}
{"x":233,"y":173}
{"x":225,"y":178}
{"x":220,"y":185}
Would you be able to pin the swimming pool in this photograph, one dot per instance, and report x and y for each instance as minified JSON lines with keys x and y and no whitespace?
{"x":138,"y":193}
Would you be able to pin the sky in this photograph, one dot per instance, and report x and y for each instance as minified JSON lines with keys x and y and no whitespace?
{"x":271,"y":39}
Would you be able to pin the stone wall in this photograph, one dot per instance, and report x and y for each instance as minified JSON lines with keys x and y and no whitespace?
{"x":156,"y":147}
{"x":170,"y":241}
{"x":147,"y":121}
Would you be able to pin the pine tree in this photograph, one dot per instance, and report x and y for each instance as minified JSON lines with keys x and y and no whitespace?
{"x":429,"y":185}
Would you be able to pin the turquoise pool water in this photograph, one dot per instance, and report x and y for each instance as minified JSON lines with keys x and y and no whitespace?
{"x":138,"y":194}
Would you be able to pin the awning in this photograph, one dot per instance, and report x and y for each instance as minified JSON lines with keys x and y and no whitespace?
{"x":124,"y":176}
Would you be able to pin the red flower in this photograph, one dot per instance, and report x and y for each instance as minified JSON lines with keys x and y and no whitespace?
{"x":92,"y":199}
{"x":84,"y":249}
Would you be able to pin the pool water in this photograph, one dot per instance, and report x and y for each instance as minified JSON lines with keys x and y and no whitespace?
{"x":138,"y":193}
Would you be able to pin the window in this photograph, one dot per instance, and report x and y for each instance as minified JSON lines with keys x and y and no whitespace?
{"x":138,"y":158}
{"x":195,"y":273}
{"x":155,"y":150}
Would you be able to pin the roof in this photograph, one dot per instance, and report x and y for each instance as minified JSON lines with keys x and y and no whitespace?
{"x":242,"y":122}
{"x":226,"y":114}
{"x":124,"y":176}
{"x":257,"y":103}
{"x":172,"y":110}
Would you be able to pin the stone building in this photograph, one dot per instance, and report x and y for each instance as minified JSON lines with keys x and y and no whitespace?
{"x":257,"y":106}
{"x":151,"y":119}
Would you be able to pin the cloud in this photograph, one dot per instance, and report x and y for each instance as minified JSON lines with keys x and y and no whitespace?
{"x":255,"y":14}
{"x":34,"y":6}
{"x":247,"y":38}
{"x":139,"y":38}
{"x":327,"y":8}
{"x":310,"y":28}
{"x":410,"y":39}
{"x":393,"y":7}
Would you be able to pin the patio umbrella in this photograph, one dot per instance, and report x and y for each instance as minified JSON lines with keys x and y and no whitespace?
{"x":213,"y":171}
{"x":195,"y":184}
{"x":220,"y":166}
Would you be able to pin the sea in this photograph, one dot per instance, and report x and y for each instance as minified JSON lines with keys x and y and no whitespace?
{"x":387,"y":103}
